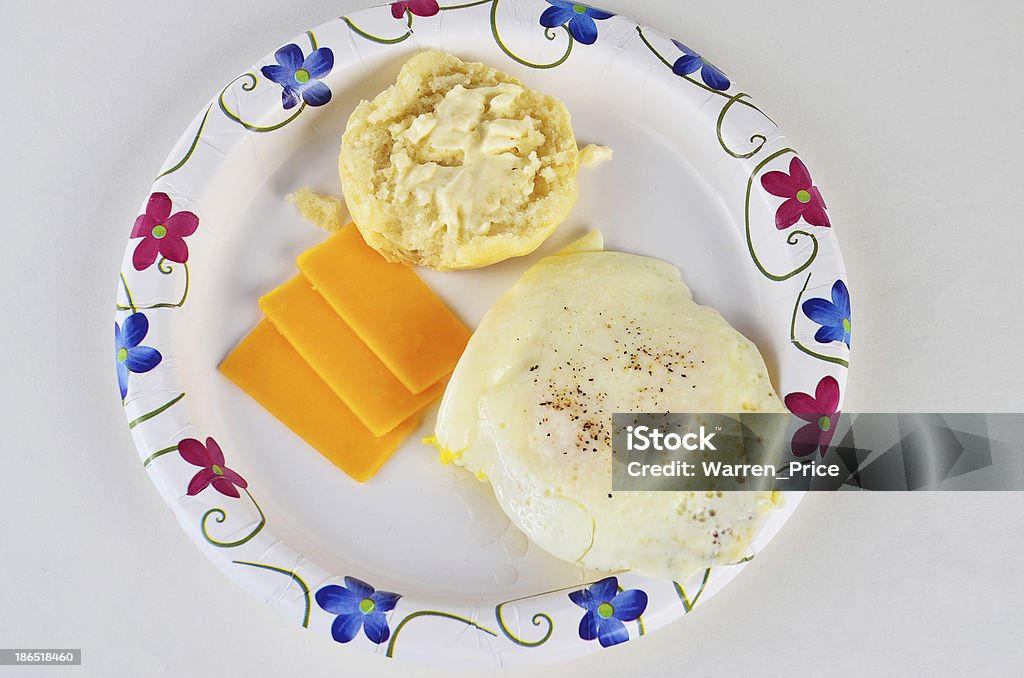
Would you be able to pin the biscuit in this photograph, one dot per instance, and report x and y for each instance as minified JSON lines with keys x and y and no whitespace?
{"x":458,"y":165}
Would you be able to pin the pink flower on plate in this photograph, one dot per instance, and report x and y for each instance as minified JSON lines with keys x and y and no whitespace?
{"x":162,"y":233}
{"x":417,"y":7}
{"x":822,"y":411}
{"x":213,"y":471}
{"x":802,"y":197}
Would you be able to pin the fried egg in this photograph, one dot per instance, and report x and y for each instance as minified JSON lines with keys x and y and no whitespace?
{"x":581,"y":335}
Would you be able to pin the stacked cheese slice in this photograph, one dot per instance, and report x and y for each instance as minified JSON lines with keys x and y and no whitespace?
{"x":350,"y":353}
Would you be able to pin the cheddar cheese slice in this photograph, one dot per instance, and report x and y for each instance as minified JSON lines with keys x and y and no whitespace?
{"x":341,"y":359}
{"x":395,"y":313}
{"x":265,"y":366}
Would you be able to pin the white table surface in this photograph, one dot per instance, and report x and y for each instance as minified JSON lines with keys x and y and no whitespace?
{"x":910,"y":118}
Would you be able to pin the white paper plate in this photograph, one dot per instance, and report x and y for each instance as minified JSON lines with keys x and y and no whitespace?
{"x":685,"y":185}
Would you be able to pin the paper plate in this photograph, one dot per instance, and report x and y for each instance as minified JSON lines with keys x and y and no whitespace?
{"x":701,"y":177}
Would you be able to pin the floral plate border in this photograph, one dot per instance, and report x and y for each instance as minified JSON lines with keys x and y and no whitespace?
{"x":790,"y":244}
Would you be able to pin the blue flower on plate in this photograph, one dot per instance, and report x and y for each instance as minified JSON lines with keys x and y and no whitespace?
{"x":300,"y":75}
{"x":691,"y":62}
{"x":833,"y":316}
{"x":358,"y":606}
{"x":607,"y":610}
{"x":129,"y":356}
{"x":580,"y":19}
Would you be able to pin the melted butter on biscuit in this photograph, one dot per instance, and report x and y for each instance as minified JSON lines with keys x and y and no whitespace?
{"x":460,"y":155}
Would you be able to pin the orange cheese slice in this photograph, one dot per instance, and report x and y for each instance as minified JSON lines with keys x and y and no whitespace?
{"x":340,"y":357}
{"x":266,"y":367}
{"x":395,"y":313}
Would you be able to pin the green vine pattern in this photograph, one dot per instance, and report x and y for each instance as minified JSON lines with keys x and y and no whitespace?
{"x":166,"y":269}
{"x":793,"y":238}
{"x":249,"y":86}
{"x":191,"y":149}
{"x":687,"y":602}
{"x":390,"y":651}
{"x":378,"y":39}
{"x":758,"y":139}
{"x":160,"y":410}
{"x":548,"y":33}
{"x":159,"y":453}
{"x":798,"y":344}
{"x":128,"y":295}
{"x":251,"y":80}
{"x":220,"y":515}
{"x":294,"y":577}
{"x":537,"y":620}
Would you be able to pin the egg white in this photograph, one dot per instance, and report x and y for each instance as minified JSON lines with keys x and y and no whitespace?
{"x":582,"y":335}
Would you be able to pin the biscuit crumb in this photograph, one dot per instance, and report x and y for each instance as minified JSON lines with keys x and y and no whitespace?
{"x":323,"y":211}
